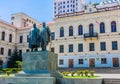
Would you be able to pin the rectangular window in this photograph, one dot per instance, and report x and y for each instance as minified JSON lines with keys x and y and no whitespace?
{"x":52,"y":35}
{"x":71,"y":48}
{"x":114,"y":45}
{"x":2,"y":51}
{"x":80,"y":61}
{"x":80,"y":47}
{"x":68,"y":10}
{"x":67,"y":6}
{"x":9,"y":52}
{"x":61,"y":62}
{"x":27,"y":38}
{"x":21,"y":39}
{"x":12,"y":18}
{"x":20,"y":52}
{"x":61,"y":48}
{"x":27,"y":50}
{"x":52,"y":49}
{"x":103,"y":61}
{"x":91,"y":47}
{"x":103,"y":46}
{"x":102,"y":30}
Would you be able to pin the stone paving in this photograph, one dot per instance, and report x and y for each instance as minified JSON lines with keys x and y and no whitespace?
{"x":101,"y":75}
{"x":108,"y":75}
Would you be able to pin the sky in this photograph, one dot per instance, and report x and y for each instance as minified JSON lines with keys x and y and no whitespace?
{"x":41,"y":10}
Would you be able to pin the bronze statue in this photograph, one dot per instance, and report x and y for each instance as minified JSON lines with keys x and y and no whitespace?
{"x":34,"y":38}
{"x":45,"y":36}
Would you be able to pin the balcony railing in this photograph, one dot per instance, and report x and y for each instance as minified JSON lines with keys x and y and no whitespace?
{"x":91,"y":35}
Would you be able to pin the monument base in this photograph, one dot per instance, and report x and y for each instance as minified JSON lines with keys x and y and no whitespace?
{"x":38,"y":68}
{"x":31,"y":80}
{"x":42,"y":62}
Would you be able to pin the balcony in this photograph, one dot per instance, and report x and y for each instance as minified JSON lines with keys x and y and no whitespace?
{"x":92,"y":35}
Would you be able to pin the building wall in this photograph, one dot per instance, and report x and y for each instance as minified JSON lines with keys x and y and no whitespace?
{"x":8,"y":29}
{"x":67,"y":58}
{"x":22,"y":20}
{"x":86,"y":19}
{"x":68,"y":6}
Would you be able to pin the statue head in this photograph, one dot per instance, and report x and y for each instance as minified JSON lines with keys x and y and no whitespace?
{"x":34,"y":25}
{"x":44,"y":25}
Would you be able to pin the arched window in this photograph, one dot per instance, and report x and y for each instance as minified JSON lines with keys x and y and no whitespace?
{"x":80,"y":30}
{"x":70,"y":31}
{"x":113,"y":26}
{"x":3,"y":36}
{"x":61,"y":32}
{"x":10,"y":37}
{"x":91,"y":29}
{"x":102,"y":27}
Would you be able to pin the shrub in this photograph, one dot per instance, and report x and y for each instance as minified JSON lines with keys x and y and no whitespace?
{"x":65,"y":73}
{"x":81,"y":73}
{"x":4,"y":70}
{"x":78,"y":73}
{"x":86,"y":72}
{"x":19,"y":69}
{"x":14,"y":70}
{"x":72,"y":73}
{"x":19,"y":64}
{"x":8,"y":72}
{"x":91,"y":73}
{"x":1,"y":71}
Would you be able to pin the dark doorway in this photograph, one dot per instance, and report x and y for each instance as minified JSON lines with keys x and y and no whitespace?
{"x":71,"y":63}
{"x":92,"y":62}
{"x":115,"y":62}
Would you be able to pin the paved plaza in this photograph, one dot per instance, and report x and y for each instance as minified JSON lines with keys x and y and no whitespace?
{"x":108,"y":75}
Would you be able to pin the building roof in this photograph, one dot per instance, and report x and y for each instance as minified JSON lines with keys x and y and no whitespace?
{"x":8,"y":24}
{"x":38,"y":25}
{"x":50,"y":23}
{"x":21,"y":13}
{"x":108,"y":3}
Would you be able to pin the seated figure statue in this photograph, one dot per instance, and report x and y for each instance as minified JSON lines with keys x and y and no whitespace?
{"x":34,"y":38}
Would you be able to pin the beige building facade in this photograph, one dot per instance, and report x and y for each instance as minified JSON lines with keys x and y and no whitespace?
{"x":89,"y":38}
{"x":15,"y":34}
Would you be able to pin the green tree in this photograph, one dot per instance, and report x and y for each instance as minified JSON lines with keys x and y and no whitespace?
{"x":15,"y":57}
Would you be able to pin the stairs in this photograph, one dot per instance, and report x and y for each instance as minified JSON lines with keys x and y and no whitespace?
{"x":111,"y":81}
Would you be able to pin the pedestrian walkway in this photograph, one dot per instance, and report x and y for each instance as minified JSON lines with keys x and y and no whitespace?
{"x":108,"y":75}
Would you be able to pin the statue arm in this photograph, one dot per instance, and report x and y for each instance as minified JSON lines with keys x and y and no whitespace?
{"x":49,"y":33}
{"x":48,"y":30}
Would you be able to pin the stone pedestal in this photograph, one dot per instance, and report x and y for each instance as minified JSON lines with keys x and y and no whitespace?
{"x":31,"y":80}
{"x":43,"y":62}
{"x":38,"y":68}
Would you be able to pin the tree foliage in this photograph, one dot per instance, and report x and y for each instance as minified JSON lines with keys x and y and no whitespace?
{"x":14,"y":57}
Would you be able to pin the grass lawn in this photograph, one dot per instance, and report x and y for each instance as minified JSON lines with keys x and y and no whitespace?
{"x":81,"y":77}
{"x":6,"y":76}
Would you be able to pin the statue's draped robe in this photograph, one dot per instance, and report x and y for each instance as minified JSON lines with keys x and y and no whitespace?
{"x":34,"y":37}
